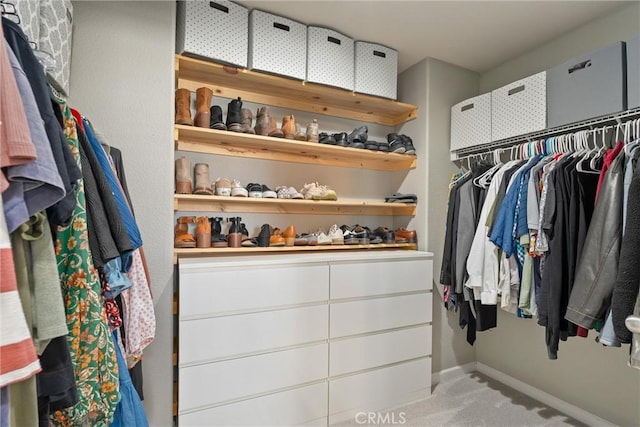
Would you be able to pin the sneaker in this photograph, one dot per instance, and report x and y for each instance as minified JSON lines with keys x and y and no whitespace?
{"x":268,"y":193}
{"x":323,"y":238}
{"x":358,"y":137}
{"x":223,"y":187}
{"x":237,"y":190}
{"x":408,"y":145}
{"x":336,"y":235}
{"x":254,"y":190}
{"x":315,"y":191}
{"x":285,"y":192}
{"x":396,"y":143}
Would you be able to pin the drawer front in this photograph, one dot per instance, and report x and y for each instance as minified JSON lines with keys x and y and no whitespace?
{"x":208,"y":339}
{"x":378,"y":389}
{"x":359,"y":317}
{"x":355,"y":354}
{"x":299,"y":406}
{"x":233,"y":379}
{"x":217,"y":291}
{"x":379,"y":278}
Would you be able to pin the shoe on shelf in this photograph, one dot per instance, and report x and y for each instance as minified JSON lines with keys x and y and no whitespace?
{"x":409,"y":235}
{"x":203,"y":184}
{"x":326,"y":138}
{"x":342,"y":139}
{"x":237,"y":190}
{"x":408,"y":145}
{"x":312,"y":239}
{"x":246,"y":119}
{"x":312,"y":131}
{"x":349,"y":235}
{"x":289,"y":235}
{"x":315,"y":191}
{"x":285,"y":192}
{"x":183,"y":107}
{"x":359,"y":136}
{"x":203,"y":105}
{"x":362,"y":234}
{"x":218,"y":240}
{"x":301,"y":241}
{"x":322,"y":238}
{"x":300,"y":135}
{"x":234,"y":116}
{"x":396,"y":144}
{"x":264,"y":236}
{"x":274,"y":130}
{"x":336,"y":235}
{"x":234,"y":237}
{"x":263,"y":117}
{"x":182,"y":237}
{"x":268,"y":193}
{"x":276,"y":238}
{"x":254,"y":190}
{"x":216,"y":118}
{"x":223,"y":187}
{"x":383,"y":146}
{"x":371,"y":145}
{"x":289,"y":126}
{"x":184,"y":184}
{"x":203,"y":232}
{"x":386,"y":235}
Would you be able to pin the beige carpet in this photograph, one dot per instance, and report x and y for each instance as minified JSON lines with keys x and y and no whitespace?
{"x":474,"y":400}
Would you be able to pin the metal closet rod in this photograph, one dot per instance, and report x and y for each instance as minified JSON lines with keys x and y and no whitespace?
{"x":578,"y":126}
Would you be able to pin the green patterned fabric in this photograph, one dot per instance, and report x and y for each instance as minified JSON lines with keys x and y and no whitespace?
{"x":92,"y":348}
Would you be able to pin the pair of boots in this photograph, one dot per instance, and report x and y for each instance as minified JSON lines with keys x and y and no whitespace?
{"x":266,"y":125}
{"x":184,"y":184}
{"x":204,"y":113}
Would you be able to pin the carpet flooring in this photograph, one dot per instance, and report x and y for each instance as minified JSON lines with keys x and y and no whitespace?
{"x":473,"y":400}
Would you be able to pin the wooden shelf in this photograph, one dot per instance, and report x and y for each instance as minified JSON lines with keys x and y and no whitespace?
{"x":268,"y":89}
{"x":225,"y":143}
{"x":199,"y":203}
{"x":204,"y":252}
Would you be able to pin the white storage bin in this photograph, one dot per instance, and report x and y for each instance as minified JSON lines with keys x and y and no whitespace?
{"x":54,"y":40}
{"x":216,"y":30}
{"x":520,"y":107}
{"x":376,"y":70}
{"x":29,"y":13}
{"x":277,"y":45}
{"x":471,"y":122}
{"x":633,"y":72}
{"x":330,"y":58}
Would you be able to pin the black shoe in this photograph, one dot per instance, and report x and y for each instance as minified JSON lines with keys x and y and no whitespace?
{"x":396,"y":143}
{"x":341,"y":139}
{"x":234,"y":118}
{"x":216,"y":118}
{"x":359,"y":136}
{"x":325,"y":138}
{"x":388,"y":236}
{"x":408,"y":145}
{"x":217,"y":238}
{"x":383,"y":146}
{"x":268,"y":193}
{"x":371,"y":145}
{"x":244,"y":231}
{"x":264,"y":236}
{"x":254,"y":190}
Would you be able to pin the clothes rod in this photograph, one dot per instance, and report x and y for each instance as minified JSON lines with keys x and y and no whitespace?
{"x":583,"y":125}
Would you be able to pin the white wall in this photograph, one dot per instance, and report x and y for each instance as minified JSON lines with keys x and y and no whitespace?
{"x":586,"y":374}
{"x":122,"y":75}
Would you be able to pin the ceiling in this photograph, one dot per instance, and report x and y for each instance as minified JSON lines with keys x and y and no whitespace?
{"x":477,"y":35}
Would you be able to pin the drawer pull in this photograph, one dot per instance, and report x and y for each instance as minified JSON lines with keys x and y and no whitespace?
{"x":516,"y":90}
{"x":466,"y":107}
{"x":281,"y":26}
{"x":218,"y":6}
{"x":380,"y":54}
{"x":333,"y":40}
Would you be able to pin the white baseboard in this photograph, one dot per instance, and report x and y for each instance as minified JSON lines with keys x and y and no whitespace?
{"x":544,"y":397}
{"x":456,"y":371}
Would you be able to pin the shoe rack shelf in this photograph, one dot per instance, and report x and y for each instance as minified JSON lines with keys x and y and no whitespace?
{"x":199,"y":203}
{"x":231,"y":82}
{"x":204,"y":252}
{"x":225,"y":143}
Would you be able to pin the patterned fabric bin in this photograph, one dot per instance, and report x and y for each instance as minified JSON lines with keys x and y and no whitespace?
{"x":54,"y":41}
{"x":376,"y":70}
{"x":330,"y":58}
{"x":471,"y":122}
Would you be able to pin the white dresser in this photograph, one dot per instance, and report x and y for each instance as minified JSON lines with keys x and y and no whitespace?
{"x":307,"y":339}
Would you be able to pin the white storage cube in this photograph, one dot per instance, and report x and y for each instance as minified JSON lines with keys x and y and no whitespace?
{"x":277,"y":45}
{"x":330,"y":58}
{"x":633,"y":72}
{"x":376,"y":70}
{"x":54,"y":40}
{"x":471,"y":122}
{"x":216,"y":30}
{"x":520,"y":107}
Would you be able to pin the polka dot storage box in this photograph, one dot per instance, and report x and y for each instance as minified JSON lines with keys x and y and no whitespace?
{"x":324,"y":47}
{"x":471,"y":122}
{"x":277,"y":45}
{"x":519,"y":107}
{"x":376,"y":70}
{"x":217,"y":30}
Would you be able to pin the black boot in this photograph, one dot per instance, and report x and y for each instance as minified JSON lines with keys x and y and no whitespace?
{"x":264,"y":236}
{"x":234,"y":118}
{"x":216,"y":118}
{"x":217,"y":238}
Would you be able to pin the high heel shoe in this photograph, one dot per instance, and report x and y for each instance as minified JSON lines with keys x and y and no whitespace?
{"x":289,"y":235}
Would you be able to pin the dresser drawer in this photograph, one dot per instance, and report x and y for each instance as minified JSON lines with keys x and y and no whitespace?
{"x":379,"y":278}
{"x":355,"y":354}
{"x":233,"y":379}
{"x":359,"y":317}
{"x":299,"y":406}
{"x":249,"y":288}
{"x":379,"y":389}
{"x":208,"y":339}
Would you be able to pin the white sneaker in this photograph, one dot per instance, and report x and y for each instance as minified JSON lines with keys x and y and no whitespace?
{"x":323,"y":239}
{"x":285,"y":192}
{"x":337,"y":238}
{"x":238,"y":190}
{"x":315,"y":191}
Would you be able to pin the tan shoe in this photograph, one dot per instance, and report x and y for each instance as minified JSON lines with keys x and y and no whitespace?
{"x":289,"y":235}
{"x":263,"y":117}
{"x":183,"y":107}
{"x":184,"y":184}
{"x":246,"y":119}
{"x":182,"y":237}
{"x":274,"y":130}
{"x":312,"y":131}
{"x":203,"y":184}
{"x":203,"y":105}
{"x":289,"y":126}
{"x":203,"y":232}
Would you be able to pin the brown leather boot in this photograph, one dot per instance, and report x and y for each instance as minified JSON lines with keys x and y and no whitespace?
{"x":289,"y":126}
{"x":183,"y":107}
{"x":203,"y":232}
{"x":183,"y":176}
{"x":246,"y":119}
{"x":203,"y":184}
{"x":182,"y":238}
{"x":203,"y":104}
{"x":262,"y":121}
{"x":274,"y":130}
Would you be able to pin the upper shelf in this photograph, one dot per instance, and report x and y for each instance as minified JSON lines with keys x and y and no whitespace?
{"x":231,"y":82}
{"x":225,"y":143}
